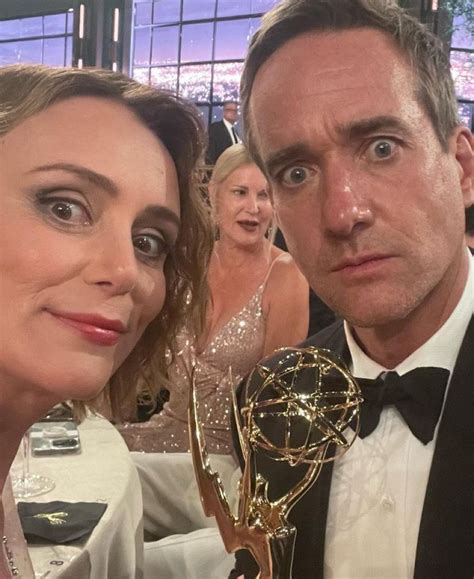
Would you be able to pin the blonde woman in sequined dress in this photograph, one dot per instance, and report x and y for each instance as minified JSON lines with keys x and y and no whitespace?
{"x":258,"y":302}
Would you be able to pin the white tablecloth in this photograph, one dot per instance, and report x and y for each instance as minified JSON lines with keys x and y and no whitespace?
{"x":103,"y":472}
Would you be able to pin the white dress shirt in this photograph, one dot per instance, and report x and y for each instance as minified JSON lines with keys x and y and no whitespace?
{"x":229,"y":127}
{"x":378,"y":487}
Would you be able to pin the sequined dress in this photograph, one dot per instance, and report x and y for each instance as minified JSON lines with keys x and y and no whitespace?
{"x":238,"y":345}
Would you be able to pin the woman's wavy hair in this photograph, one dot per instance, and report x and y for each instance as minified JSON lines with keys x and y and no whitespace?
{"x":424,"y":51}
{"x":26,"y":90}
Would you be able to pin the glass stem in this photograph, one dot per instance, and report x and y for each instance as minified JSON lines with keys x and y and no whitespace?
{"x":26,"y":455}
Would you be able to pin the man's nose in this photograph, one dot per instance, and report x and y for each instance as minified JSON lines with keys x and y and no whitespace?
{"x":345,"y":201}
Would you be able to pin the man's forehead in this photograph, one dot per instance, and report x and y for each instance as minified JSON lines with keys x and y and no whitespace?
{"x":336,"y":74}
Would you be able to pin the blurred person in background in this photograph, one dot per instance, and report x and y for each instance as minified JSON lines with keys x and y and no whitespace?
{"x":223,"y":134}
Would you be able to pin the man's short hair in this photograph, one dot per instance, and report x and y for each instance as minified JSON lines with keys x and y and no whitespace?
{"x":230,"y":102}
{"x":424,"y":51}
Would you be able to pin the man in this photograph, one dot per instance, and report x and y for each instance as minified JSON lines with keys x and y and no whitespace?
{"x":223,"y":133}
{"x":351,"y":113}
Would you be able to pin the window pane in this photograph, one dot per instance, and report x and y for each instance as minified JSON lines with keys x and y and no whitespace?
{"x":8,"y":53}
{"x":165,"y":77}
{"x":143,"y":13}
{"x":165,"y":45}
{"x":204,"y":114}
{"x":217,"y":114}
{"x":232,"y":39}
{"x":195,"y":82}
{"x":461,"y":37}
{"x":31,"y":27}
{"x":233,"y":7}
{"x":226,"y":81}
{"x":196,"y":42}
{"x":462,"y":69}
{"x":54,"y":24}
{"x":197,"y":9}
{"x":70,"y":21}
{"x":166,"y":11}
{"x":142,"y":46}
{"x":141,"y":75}
{"x":10,"y":29}
{"x":466,"y":114}
{"x":69,"y":51}
{"x":54,"y":49}
{"x":263,"y":5}
{"x":30,"y":51}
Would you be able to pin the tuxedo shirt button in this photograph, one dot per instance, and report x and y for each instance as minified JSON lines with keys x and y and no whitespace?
{"x":388,"y":503}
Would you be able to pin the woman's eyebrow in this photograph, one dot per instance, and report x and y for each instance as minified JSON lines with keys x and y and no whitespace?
{"x":82,"y":172}
{"x":159,"y":213}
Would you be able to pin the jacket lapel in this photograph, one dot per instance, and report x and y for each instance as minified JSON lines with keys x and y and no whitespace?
{"x":446,"y":530}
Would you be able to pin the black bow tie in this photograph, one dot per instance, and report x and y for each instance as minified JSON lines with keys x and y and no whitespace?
{"x":418,"y":396}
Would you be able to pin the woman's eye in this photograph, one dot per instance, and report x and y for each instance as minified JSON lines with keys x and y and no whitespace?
{"x":150,"y":246}
{"x":382,"y":149}
{"x":238,"y":192}
{"x":68,"y":211}
{"x":295,"y":176}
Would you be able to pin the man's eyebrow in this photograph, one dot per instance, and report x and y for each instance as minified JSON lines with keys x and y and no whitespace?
{"x":83,"y":173}
{"x":364,"y":127}
{"x":295,"y":151}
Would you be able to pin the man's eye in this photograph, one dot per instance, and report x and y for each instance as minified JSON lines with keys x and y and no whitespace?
{"x":295,"y":176}
{"x":150,"y":246}
{"x":68,"y":211}
{"x":382,"y":149}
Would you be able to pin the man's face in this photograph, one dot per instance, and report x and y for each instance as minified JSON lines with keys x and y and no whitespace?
{"x":230,"y":112}
{"x":370,"y":205}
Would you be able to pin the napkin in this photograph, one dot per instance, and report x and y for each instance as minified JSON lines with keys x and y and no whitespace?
{"x":59,"y":522}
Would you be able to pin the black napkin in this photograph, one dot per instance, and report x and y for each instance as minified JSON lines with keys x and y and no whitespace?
{"x":59,"y":522}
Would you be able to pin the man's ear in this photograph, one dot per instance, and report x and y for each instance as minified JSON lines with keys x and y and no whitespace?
{"x":463,"y":141}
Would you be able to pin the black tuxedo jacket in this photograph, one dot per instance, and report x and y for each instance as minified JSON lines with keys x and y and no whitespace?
{"x":445,"y":539}
{"x":219,"y":141}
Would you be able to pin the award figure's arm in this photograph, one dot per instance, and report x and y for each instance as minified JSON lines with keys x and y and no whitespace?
{"x":245,"y":565}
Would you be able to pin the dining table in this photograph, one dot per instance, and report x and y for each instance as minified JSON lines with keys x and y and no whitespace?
{"x":102,"y":472}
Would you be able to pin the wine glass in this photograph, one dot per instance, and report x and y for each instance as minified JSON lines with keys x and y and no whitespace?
{"x":27,"y":484}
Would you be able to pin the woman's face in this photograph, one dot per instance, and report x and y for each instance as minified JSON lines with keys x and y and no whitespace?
{"x":89,"y":208}
{"x":243,"y":207}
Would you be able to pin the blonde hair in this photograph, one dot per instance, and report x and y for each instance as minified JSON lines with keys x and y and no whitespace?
{"x":29,"y":89}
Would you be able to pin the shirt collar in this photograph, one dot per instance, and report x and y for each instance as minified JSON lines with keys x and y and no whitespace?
{"x":441,"y":350}
{"x":227,"y":124}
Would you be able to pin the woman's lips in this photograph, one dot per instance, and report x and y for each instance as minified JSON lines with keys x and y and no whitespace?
{"x":249,"y":225}
{"x":93,"y":328}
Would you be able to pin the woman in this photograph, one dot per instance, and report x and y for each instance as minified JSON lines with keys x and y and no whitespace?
{"x":258,"y":302}
{"x":102,"y":235}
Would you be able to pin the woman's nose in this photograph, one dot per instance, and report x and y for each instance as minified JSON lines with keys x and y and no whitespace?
{"x":113,"y":264}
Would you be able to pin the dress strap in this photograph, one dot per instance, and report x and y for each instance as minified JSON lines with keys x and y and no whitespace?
{"x":264,"y":283}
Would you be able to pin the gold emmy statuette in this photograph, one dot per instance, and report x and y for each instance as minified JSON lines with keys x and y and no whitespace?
{"x":293,"y":412}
